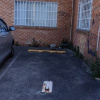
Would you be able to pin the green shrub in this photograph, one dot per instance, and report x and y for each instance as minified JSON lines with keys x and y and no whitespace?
{"x":77,"y":51}
{"x":70,"y":46}
{"x":95,"y":68}
{"x":64,"y":41}
{"x":35,"y":43}
{"x":81,"y":56}
{"x":46,"y":44}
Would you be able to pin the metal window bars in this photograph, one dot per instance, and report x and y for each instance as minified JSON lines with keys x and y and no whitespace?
{"x":33,"y":13}
{"x":84,"y":14}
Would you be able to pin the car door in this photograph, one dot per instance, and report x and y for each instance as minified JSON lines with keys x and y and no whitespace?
{"x":1,"y":46}
{"x":3,"y":40}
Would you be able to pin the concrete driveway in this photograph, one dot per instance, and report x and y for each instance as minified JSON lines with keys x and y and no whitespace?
{"x":22,"y":77}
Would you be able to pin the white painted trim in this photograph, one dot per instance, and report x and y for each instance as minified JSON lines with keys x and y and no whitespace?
{"x":10,"y":65}
{"x":52,"y":20}
{"x":71,"y":21}
{"x":98,"y":38}
{"x":87,"y":24}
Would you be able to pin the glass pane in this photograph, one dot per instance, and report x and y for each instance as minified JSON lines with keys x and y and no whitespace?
{"x":84,"y":14}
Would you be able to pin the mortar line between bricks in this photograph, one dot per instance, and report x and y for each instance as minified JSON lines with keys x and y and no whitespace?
{"x":9,"y":65}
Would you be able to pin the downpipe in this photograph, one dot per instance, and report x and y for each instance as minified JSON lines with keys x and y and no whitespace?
{"x":90,"y":51}
{"x":71,"y":21}
{"x":98,"y":38}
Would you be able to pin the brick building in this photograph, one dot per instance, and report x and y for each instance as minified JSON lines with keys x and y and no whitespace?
{"x":86,"y":26}
{"x":49,"y":21}
{"x":46,"y":21}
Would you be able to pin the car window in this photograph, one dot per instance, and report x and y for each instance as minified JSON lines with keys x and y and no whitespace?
{"x":3,"y":26}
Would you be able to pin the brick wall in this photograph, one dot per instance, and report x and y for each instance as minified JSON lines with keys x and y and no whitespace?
{"x":80,"y":38}
{"x":24,"y":34}
{"x":96,"y":24}
{"x":7,"y":11}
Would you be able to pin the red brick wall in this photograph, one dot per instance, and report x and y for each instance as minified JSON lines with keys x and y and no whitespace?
{"x":25,"y":35}
{"x":7,"y":11}
{"x":95,"y":26}
{"x":80,"y":37}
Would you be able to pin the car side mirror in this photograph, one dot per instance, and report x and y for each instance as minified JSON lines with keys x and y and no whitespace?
{"x":11,"y":28}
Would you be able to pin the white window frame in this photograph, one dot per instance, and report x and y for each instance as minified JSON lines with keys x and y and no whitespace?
{"x":87,"y":25}
{"x":49,"y":22}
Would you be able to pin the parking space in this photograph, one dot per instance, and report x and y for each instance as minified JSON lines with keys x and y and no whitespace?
{"x":22,"y":77}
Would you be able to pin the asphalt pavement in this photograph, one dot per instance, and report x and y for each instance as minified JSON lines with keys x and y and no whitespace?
{"x":22,"y":77}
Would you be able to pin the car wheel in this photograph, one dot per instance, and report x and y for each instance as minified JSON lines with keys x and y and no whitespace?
{"x":12,"y":51}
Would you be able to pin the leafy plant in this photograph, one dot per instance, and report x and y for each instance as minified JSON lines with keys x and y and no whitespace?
{"x":95,"y":68}
{"x":46,"y":45}
{"x":35,"y":43}
{"x":77,"y":51}
{"x":81,"y":56}
{"x":64,"y":41}
{"x":86,"y":61}
{"x":70,"y":46}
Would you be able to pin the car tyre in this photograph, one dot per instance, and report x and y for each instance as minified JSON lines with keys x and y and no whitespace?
{"x":12,"y":51}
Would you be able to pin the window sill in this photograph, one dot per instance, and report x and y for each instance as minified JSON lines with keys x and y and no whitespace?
{"x":85,"y":32}
{"x":36,"y":28}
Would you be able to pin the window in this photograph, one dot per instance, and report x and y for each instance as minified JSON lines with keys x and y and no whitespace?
{"x":3,"y":26}
{"x":84,"y":14}
{"x":30,"y":13}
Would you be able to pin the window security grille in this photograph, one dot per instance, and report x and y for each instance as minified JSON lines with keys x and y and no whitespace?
{"x":84,"y":14}
{"x":30,"y":13}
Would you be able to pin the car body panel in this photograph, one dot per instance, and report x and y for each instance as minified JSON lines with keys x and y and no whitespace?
{"x":6,"y":40}
{"x":2,"y":47}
